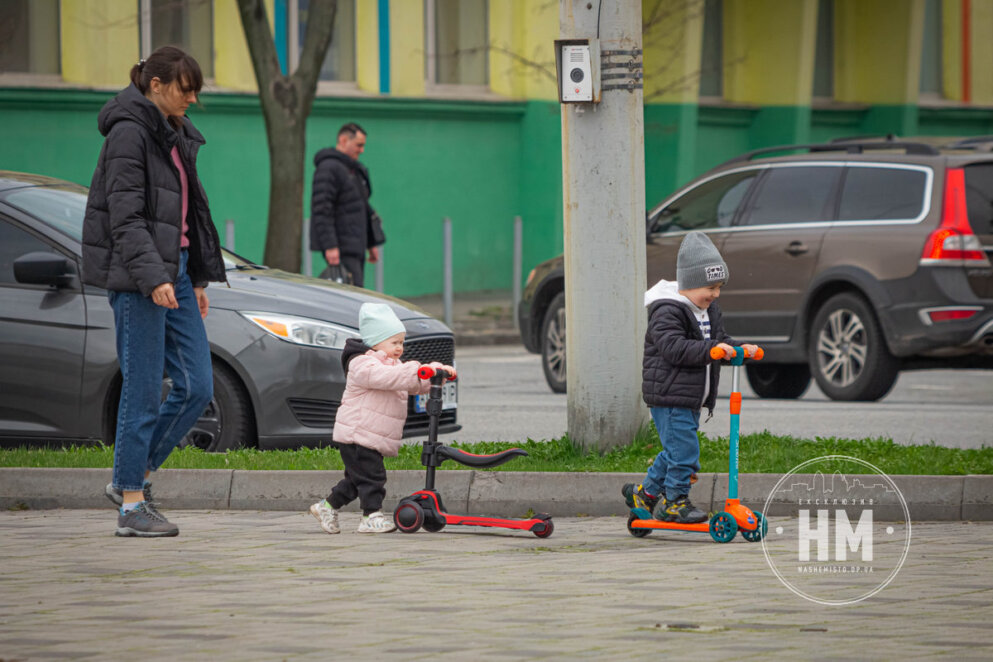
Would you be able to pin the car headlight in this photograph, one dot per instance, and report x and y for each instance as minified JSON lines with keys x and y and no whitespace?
{"x":302,"y":330}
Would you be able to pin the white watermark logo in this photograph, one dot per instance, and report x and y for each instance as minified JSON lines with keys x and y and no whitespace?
{"x":847,"y":533}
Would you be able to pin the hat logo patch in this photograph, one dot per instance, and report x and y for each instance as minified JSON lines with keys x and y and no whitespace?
{"x":716,"y":272}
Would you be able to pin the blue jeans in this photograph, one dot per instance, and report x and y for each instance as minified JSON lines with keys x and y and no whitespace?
{"x":680,"y":456}
{"x":152,"y":340}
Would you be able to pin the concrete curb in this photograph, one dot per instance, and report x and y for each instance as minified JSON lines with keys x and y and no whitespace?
{"x":502,"y":493}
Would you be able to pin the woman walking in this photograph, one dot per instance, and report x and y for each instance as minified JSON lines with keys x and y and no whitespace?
{"x":149,"y":240}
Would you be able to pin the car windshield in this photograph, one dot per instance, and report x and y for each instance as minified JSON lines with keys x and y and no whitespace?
{"x":62,"y":207}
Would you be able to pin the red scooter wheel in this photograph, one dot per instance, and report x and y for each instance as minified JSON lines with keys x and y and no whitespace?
{"x":408,"y":517}
{"x":545,"y":530}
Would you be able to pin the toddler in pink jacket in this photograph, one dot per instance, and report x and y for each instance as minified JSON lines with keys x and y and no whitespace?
{"x":369,"y":422}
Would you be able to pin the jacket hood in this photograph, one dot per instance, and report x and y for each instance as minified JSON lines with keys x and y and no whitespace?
{"x":332,"y":153}
{"x":346,"y":160}
{"x":667,"y":290}
{"x":353,"y":347}
{"x":131,"y":105}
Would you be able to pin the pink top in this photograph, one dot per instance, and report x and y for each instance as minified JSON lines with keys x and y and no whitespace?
{"x":374,"y":405}
{"x":185,"y":241}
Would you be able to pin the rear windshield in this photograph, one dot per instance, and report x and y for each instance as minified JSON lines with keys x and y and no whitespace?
{"x":882,"y":194}
{"x":979,"y":197}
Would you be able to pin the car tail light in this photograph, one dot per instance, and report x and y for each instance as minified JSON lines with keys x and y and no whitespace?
{"x":948,"y":314}
{"x":954,"y":243}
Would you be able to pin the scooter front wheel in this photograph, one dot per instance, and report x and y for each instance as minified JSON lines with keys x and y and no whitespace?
{"x":723,"y":527}
{"x":760,"y":530}
{"x":637,"y":533}
{"x":543,"y":530}
{"x":408,"y":517}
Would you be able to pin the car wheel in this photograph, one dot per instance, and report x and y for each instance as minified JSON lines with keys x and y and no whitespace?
{"x":227,"y":422}
{"x":553,"y":344}
{"x":787,"y":381}
{"x":847,"y":352}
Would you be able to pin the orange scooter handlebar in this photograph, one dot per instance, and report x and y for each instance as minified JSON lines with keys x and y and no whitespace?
{"x":718,"y":353}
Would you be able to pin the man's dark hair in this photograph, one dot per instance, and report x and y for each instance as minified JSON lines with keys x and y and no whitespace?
{"x":351,"y":129}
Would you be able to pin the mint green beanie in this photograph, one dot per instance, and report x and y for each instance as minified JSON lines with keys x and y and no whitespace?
{"x":377,"y":322}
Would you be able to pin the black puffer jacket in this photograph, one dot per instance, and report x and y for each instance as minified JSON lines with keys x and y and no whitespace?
{"x":133,"y":222}
{"x":340,"y":214}
{"x":676,"y":356}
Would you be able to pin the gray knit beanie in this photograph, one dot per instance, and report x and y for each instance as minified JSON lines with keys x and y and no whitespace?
{"x":698,"y":263}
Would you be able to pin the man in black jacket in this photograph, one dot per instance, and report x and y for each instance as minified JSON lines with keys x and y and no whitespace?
{"x":342,"y":223}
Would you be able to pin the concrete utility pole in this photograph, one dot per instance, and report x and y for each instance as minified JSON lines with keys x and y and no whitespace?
{"x":603,"y":181}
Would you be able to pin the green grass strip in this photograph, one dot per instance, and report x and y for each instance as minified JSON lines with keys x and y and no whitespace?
{"x":759,"y":453}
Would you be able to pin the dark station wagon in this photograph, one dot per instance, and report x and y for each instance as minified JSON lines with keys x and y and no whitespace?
{"x":849,"y":261}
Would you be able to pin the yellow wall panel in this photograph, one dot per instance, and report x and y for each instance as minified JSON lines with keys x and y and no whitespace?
{"x":522,"y":52}
{"x":232,"y":64}
{"x":99,"y":42}
{"x":406,"y":48}
{"x":672,"y":37}
{"x":506,"y":39}
{"x":981,"y":57}
{"x":951,"y":49}
{"x":367,"y":45}
{"x":539,"y":26}
{"x":877,"y":55}
{"x":769,"y":51}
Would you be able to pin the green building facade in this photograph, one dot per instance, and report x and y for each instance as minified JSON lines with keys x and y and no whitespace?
{"x":458,"y":98}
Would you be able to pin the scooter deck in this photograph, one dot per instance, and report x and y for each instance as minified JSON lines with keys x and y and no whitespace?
{"x":644,"y":520}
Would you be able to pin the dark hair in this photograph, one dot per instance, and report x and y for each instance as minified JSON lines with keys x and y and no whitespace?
{"x":351,"y":129}
{"x":168,"y":64}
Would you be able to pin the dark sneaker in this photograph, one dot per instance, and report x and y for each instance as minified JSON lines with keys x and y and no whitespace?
{"x":635,"y":496}
{"x":145,"y":522}
{"x":118,"y":497}
{"x":679,"y":511}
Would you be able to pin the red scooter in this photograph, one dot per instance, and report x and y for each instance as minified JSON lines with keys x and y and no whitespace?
{"x":424,"y":508}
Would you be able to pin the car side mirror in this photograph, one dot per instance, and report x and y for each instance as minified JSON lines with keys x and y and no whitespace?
{"x":44,"y":268}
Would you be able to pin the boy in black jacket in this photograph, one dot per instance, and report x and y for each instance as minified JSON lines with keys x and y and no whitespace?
{"x":684,"y":323}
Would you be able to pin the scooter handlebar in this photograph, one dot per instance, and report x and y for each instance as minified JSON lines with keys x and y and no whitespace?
{"x":427,"y":372}
{"x":718,"y":353}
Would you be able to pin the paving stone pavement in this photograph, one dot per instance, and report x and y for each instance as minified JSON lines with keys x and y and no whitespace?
{"x":251,"y":585}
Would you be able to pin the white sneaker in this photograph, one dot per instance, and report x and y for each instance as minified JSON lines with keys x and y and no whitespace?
{"x":376,"y":523}
{"x":326,"y":515}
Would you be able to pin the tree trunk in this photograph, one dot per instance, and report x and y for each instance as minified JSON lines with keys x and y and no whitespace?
{"x":286,"y":103}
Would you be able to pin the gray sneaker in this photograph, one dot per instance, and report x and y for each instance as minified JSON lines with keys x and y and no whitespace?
{"x":145,"y":522}
{"x":118,"y":497}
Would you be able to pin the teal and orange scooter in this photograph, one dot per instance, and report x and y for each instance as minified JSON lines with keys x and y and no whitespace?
{"x":735,"y":517}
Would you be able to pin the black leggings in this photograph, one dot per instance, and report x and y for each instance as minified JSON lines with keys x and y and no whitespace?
{"x":365,"y":478}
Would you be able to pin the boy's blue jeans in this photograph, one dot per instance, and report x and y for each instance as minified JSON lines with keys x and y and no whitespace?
{"x":680,"y":456}
{"x":152,"y":339}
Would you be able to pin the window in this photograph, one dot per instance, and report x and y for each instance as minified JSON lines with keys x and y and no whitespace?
{"x":797,"y":194}
{"x":712,"y":56}
{"x":882,"y":194}
{"x":457,"y":42}
{"x":339,"y":64}
{"x":979,"y":197}
{"x":710,"y":205}
{"x":15,"y":242}
{"x":824,"y":51}
{"x":188,"y":24}
{"x":29,"y":36}
{"x":930,"y":84}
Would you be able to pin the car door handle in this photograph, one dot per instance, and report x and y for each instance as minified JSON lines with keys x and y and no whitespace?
{"x":797,"y":248}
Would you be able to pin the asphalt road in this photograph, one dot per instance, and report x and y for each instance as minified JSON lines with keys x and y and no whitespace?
{"x":503,"y":397}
